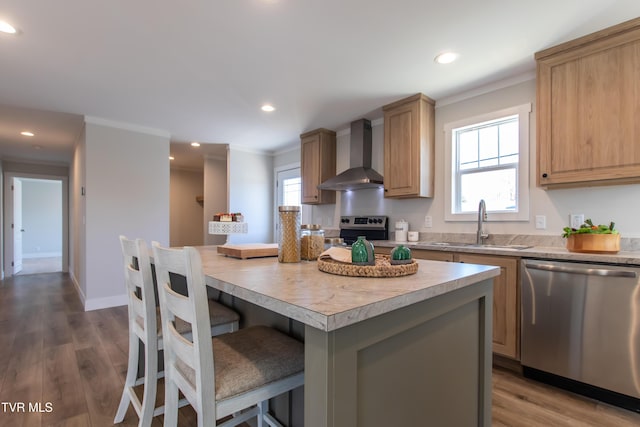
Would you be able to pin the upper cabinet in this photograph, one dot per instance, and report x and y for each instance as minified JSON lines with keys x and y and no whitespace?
{"x":409,"y":147}
{"x":588,"y":99}
{"x":318,"y":163}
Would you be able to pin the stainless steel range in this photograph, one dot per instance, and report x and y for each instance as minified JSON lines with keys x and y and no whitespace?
{"x":372,"y":227}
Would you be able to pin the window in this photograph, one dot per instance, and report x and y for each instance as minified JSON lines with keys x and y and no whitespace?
{"x":291,"y":191}
{"x":288,"y":192}
{"x":487,"y":158}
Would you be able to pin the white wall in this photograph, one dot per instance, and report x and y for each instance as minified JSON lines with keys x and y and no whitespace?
{"x":77,"y":208}
{"x":251,"y":193}
{"x":41,"y":218}
{"x":127,"y":192}
{"x":287,"y":156}
{"x":601,"y":204}
{"x":215,"y":196}
{"x":186,"y":213}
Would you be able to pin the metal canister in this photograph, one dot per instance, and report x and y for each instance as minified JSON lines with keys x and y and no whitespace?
{"x":289,"y":234}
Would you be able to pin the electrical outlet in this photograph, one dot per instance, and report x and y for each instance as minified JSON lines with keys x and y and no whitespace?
{"x":577,"y":220}
{"x":428,"y":222}
{"x":541,"y":222}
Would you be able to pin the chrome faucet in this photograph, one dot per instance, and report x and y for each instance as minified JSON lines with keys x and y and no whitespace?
{"x":482,"y":216}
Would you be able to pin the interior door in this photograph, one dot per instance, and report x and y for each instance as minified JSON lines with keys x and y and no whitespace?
{"x":17,"y":225}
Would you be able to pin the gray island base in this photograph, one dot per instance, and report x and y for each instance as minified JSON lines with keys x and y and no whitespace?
{"x":414,"y":350}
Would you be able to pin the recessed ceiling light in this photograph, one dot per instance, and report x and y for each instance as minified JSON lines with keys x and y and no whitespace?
{"x":27,"y":133}
{"x":171,"y":158}
{"x":268,"y":108}
{"x":446,"y":57}
{"x":195,"y":144}
{"x":5,"y":27}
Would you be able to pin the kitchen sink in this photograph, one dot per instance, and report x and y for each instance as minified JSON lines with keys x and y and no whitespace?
{"x":476,"y":245}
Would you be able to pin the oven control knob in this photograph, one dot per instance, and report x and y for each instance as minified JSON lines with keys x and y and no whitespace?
{"x":345,"y":220}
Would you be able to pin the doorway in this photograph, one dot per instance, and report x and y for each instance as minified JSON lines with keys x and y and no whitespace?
{"x":288,"y":192}
{"x":35,"y":224}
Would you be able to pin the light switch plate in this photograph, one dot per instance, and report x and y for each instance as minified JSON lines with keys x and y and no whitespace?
{"x":577,"y":220}
{"x":541,"y":222}
{"x":428,"y":222}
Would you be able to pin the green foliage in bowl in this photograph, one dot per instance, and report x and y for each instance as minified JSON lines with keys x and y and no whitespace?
{"x":589,"y":228}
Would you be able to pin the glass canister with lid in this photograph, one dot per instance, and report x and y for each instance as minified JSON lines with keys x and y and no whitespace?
{"x":289,"y":234}
{"x":311,"y":241}
{"x":334,"y":242}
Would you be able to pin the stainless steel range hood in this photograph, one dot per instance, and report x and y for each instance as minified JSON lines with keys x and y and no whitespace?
{"x":359,"y":175}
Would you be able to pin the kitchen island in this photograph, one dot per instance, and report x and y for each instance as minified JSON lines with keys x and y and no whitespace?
{"x":413,"y":350}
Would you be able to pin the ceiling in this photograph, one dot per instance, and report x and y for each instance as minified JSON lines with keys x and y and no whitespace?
{"x":201,"y":70}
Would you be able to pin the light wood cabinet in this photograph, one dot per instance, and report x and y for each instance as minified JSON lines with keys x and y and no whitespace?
{"x":318,"y":163}
{"x":409,"y":147}
{"x":588,"y":98}
{"x":421,"y":254}
{"x":506,"y":302}
{"x":506,"y":295}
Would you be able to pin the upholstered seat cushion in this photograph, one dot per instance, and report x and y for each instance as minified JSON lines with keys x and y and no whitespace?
{"x":218,"y":314}
{"x":250,"y":358}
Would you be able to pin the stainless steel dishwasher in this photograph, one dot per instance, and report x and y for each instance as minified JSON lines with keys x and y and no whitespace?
{"x":581,"y":328}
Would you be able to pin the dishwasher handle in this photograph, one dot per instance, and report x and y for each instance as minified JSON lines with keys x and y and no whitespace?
{"x":580,"y":270}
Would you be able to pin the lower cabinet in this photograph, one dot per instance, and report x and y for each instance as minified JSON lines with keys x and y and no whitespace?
{"x":506,"y":306}
{"x":506,"y":298}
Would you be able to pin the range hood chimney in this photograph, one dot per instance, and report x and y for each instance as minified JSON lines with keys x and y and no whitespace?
{"x":359,"y":175}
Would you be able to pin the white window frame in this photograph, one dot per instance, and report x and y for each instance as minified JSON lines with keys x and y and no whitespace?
{"x":522,"y":214}
{"x":305,"y":210}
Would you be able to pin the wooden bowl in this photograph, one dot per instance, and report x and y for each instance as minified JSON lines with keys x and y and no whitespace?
{"x":594,"y":243}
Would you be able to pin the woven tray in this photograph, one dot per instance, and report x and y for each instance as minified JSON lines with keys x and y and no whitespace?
{"x":383,"y":268}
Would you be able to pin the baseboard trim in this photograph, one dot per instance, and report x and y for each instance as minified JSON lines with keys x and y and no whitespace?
{"x":98,"y":303}
{"x":507,"y":363}
{"x":608,"y":396}
{"x":41,"y":255}
{"x":106,"y":302}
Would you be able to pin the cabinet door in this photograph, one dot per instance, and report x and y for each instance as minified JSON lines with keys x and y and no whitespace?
{"x":401,"y":167}
{"x":432,"y":255}
{"x":409,"y":147}
{"x":506,"y":305}
{"x":420,"y":254}
{"x":310,"y":169}
{"x":318,"y":163}
{"x":588,"y":99}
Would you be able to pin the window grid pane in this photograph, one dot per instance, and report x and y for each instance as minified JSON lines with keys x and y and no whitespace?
{"x":292,"y":189}
{"x":498,"y":188}
{"x":486,"y":165}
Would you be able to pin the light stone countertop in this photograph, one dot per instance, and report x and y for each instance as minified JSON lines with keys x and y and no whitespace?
{"x":535,"y":252}
{"x":328,"y":302}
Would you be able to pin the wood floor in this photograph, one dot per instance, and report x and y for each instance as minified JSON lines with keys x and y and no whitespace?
{"x":72,"y":365}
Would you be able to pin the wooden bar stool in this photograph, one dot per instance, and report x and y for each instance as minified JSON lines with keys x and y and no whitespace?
{"x":230,"y":375}
{"x":145,"y":326}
